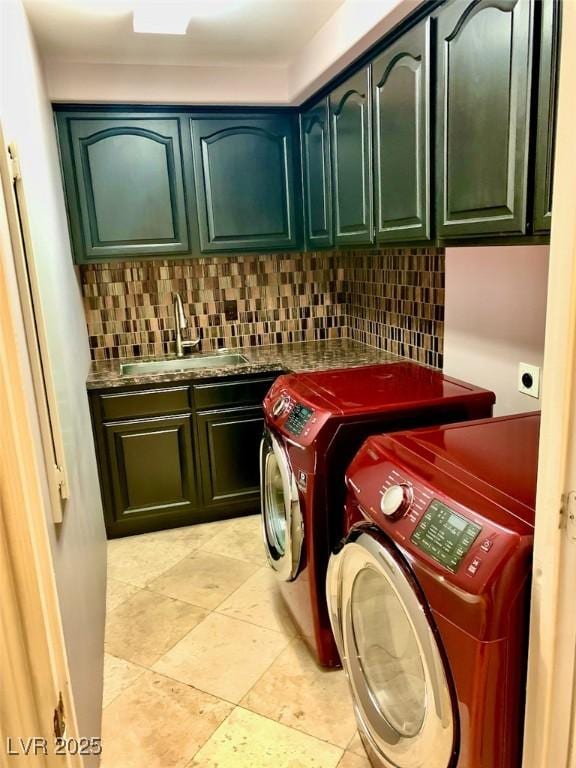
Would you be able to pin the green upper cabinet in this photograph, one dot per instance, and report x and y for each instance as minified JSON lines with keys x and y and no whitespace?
{"x":247,"y":181}
{"x":401,"y":89}
{"x":351,"y":140}
{"x":126,"y":187}
{"x":546,"y":121}
{"x":484,"y":79}
{"x":316,"y":176}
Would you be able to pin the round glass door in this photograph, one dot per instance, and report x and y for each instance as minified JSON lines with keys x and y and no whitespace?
{"x":282,"y":525}
{"x":274,"y":507}
{"x":388,"y":653}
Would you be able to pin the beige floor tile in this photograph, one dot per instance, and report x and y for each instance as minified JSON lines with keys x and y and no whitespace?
{"x":118,"y":675}
{"x":222,"y":656}
{"x":356,"y":745}
{"x":117,"y":592}
{"x":246,"y":740}
{"x":158,"y":723}
{"x":146,"y":625}
{"x":137,"y":560}
{"x":203,"y":579}
{"x":191,"y":536}
{"x":350,"y":760}
{"x":240,"y":538}
{"x":258,"y":601}
{"x":296,"y":692}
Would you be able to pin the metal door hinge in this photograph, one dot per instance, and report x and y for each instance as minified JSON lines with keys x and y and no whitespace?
{"x":59,"y":719}
{"x":14,"y":163}
{"x":61,"y":481}
{"x":568,"y":514}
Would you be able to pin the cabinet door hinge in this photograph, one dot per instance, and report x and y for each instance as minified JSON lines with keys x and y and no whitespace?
{"x":568,"y":515}
{"x":14,"y":163}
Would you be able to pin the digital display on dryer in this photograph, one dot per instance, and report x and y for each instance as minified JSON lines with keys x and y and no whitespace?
{"x":300,"y":415}
{"x":445,"y":535}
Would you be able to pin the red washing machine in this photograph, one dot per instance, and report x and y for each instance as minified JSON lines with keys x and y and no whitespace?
{"x":429,"y":592}
{"x":315,"y":424}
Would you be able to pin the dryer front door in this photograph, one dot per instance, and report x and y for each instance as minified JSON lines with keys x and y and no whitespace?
{"x":390,"y":650}
{"x":282,"y":523}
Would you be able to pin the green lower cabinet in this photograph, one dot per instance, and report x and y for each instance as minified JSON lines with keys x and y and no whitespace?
{"x":151,"y":472}
{"x":229,"y":443}
{"x":178,"y":455}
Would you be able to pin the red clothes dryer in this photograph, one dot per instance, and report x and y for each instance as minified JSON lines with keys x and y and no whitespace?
{"x":315,"y":424}
{"x":429,"y":592}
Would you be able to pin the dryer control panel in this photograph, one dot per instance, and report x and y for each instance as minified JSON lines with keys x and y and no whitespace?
{"x":445,"y":535}
{"x":298,"y":418}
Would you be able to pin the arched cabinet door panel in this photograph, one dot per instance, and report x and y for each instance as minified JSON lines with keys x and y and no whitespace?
{"x":245,"y":170}
{"x":350,"y":135}
{"x":316,"y":176}
{"x":484,"y":77}
{"x":401,"y":90}
{"x":546,"y":120}
{"x":125,"y":185}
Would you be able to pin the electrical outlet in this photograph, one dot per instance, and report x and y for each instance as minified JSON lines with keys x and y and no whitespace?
{"x":529,"y":379}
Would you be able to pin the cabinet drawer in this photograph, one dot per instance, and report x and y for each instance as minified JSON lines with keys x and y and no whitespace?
{"x":232,"y":393}
{"x":149,"y":403}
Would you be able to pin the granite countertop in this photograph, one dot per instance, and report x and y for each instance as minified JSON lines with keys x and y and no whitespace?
{"x":295,"y":358}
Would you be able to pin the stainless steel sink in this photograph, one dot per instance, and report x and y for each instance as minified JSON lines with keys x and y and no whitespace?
{"x":183,"y":364}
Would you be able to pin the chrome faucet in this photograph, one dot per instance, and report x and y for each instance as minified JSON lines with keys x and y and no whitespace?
{"x":180,"y":324}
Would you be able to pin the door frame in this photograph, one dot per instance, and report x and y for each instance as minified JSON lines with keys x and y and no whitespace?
{"x":550,"y":726}
{"x":33,"y":660}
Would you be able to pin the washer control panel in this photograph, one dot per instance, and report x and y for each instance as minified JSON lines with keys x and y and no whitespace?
{"x":445,"y":535}
{"x":298,"y":418}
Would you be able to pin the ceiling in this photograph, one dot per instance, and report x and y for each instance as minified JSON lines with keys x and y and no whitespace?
{"x":220,"y":33}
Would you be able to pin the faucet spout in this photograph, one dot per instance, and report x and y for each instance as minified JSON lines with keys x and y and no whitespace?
{"x":180,"y":323}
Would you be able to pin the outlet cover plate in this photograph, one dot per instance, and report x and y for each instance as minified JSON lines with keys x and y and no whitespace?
{"x":525,"y":369}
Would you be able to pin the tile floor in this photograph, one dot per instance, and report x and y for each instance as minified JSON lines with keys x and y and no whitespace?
{"x":204,"y":668}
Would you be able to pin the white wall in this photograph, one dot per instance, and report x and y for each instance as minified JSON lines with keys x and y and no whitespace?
{"x":355,"y":26}
{"x":495,"y":318}
{"x":78,"y":544}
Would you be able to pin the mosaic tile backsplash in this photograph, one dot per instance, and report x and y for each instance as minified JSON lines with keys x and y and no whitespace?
{"x":390,"y":299}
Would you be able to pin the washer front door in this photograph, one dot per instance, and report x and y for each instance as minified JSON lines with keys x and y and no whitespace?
{"x":282,"y":524}
{"x":390,"y":651}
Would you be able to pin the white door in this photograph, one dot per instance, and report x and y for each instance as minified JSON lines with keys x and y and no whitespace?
{"x":390,"y":651}
{"x":282,"y":523}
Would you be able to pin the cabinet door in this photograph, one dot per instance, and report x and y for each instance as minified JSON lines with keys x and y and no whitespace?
{"x":484,"y":65}
{"x":151,"y":470}
{"x":401,"y":89}
{"x":229,"y":442}
{"x":246,"y":169}
{"x":125,"y":185}
{"x":350,"y":135}
{"x":316,"y":176}
{"x":546,"y":121}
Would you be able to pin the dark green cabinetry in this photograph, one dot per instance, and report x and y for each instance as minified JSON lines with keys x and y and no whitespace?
{"x":178,"y":455}
{"x":351,"y":139}
{"x":247,"y":181}
{"x":316,"y":176}
{"x":126,"y":184}
{"x":546,"y":120}
{"x":229,"y":443}
{"x":483,"y":89}
{"x":401,"y":88}
{"x":151,"y":466}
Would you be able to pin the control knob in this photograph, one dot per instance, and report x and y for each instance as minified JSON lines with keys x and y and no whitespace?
{"x":280,"y":406}
{"x":397,"y":500}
